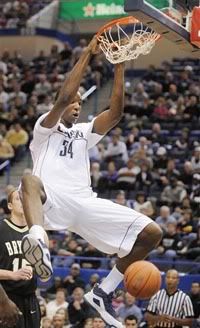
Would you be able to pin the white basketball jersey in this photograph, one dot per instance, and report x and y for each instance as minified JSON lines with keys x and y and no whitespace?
{"x":60,"y":156}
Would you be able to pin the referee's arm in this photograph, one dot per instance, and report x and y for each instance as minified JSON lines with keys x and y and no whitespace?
{"x":188,"y":314}
{"x":153,"y":318}
{"x":150,"y":316}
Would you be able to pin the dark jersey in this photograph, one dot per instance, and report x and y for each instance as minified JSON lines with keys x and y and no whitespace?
{"x":11,"y":258}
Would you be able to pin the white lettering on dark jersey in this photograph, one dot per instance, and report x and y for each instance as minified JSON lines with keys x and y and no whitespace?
{"x":13,"y":247}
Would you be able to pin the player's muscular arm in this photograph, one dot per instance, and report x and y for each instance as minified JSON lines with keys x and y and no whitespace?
{"x":70,"y":86}
{"x":9,"y":312}
{"x":108,"y":119}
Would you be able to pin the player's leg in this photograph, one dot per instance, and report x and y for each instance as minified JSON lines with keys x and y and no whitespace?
{"x":34,"y":245}
{"x":101,"y":296}
{"x":123,"y":231}
{"x":146,"y":241}
{"x":32,"y":312}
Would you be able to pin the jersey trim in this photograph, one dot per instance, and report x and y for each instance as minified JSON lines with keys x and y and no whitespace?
{"x":22,"y":230}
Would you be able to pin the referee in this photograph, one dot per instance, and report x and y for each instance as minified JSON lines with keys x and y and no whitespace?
{"x":170,"y":307}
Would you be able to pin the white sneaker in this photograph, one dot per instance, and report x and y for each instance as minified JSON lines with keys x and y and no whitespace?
{"x":102,"y":302}
{"x":37,"y":254}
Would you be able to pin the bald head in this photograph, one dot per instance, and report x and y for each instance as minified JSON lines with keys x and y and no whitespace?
{"x":172,"y":280}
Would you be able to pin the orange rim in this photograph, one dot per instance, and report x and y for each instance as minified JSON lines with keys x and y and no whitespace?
{"x":123,"y":21}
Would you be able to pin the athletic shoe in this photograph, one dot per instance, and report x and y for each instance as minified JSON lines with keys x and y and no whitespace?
{"x":37,"y":254}
{"x":102,"y":302}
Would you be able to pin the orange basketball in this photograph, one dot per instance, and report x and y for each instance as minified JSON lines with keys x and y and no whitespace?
{"x":142,"y":279}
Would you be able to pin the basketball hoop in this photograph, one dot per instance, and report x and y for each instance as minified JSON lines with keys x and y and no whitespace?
{"x":125,"y":39}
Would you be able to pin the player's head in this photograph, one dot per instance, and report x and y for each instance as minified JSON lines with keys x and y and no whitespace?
{"x":130,"y":321}
{"x":72,"y":112}
{"x":14,"y":204}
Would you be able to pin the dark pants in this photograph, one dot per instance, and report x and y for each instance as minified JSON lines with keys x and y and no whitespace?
{"x":29,"y":306}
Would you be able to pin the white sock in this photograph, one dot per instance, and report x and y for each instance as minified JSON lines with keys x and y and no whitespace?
{"x":37,"y":231}
{"x":113,"y":279}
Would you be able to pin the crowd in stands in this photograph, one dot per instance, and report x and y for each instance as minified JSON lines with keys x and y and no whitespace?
{"x":27,"y":90}
{"x":149,"y":162}
{"x":14,"y":14}
{"x":74,"y":312}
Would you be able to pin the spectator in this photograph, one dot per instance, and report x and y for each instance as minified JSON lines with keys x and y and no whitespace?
{"x":143,"y":205}
{"x":43,"y":87}
{"x":165,"y":218}
{"x":195,"y":298}
{"x":56,"y":304}
{"x":192,"y":249}
{"x":170,"y":244}
{"x":180,"y":314}
{"x":46,"y":322}
{"x":186,"y":226}
{"x":98,"y":322}
{"x":131,"y":321}
{"x":171,"y":169}
{"x":18,"y":138}
{"x":195,"y":160}
{"x":88,"y":323}
{"x":160,"y":161}
{"x":144,"y":178}
{"x":79,"y":310}
{"x":109,"y":178}
{"x":64,"y":313}
{"x":139,"y":96}
{"x":57,"y":284}
{"x":161,"y":111}
{"x":91,"y":251}
{"x":94,"y":279}
{"x":129,"y":308}
{"x":120,"y":198}
{"x":116,"y":150}
{"x":73,"y":280}
{"x":43,"y":310}
{"x":186,"y":173}
{"x":6,"y":150}
{"x":174,"y":193}
{"x":127,"y":175}
{"x":58,"y":321}
{"x":157,"y":137}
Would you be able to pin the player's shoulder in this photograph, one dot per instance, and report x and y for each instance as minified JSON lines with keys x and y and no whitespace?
{"x":4,"y":228}
{"x":2,"y":224}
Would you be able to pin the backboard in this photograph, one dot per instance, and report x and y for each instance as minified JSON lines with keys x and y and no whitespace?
{"x":166,"y":17}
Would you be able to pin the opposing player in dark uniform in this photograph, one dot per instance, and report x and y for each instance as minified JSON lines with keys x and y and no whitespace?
{"x":16,"y":274}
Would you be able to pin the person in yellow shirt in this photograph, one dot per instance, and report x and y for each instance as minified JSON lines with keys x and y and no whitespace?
{"x":18,"y":138}
{"x":6,"y":150}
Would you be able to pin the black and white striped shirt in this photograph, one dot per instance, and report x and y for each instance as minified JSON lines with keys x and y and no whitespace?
{"x":177,"y":305}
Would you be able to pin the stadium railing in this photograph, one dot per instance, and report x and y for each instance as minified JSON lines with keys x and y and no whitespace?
{"x":61,"y":266}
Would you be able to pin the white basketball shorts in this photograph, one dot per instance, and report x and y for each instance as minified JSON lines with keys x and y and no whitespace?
{"x":111,"y":228}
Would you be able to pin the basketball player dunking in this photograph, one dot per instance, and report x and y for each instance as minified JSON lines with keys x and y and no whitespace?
{"x":59,"y":189}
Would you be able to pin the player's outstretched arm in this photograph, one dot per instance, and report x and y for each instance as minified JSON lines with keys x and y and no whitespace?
{"x":9,"y":313}
{"x":108,"y":119}
{"x":71,"y":85}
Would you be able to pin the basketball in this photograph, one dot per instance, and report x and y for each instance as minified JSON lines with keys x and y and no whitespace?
{"x":142,"y":279}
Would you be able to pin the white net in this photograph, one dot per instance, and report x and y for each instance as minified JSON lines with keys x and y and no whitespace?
{"x":122,"y":44}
